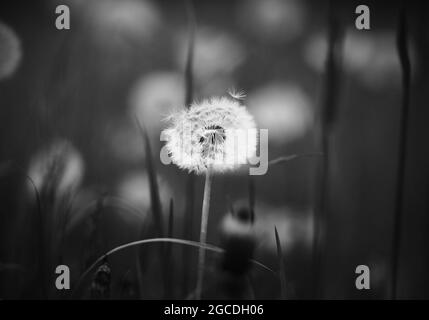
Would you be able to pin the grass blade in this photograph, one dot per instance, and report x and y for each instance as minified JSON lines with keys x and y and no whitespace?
{"x":190,"y":182}
{"x":170,"y":219}
{"x":41,"y":238}
{"x":155,"y":200}
{"x":189,"y":89}
{"x":133,"y":244}
{"x":401,"y":41}
{"x":153,"y":182}
{"x":281,"y":265}
{"x":168,"y":283}
{"x":327,"y":120}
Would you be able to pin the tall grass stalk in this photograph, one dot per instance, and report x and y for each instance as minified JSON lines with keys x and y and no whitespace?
{"x":41,"y":243}
{"x":155,"y":200}
{"x":190,"y":180}
{"x":168,"y":284}
{"x":327,"y":120}
{"x":401,"y":42}
{"x":203,"y":232}
{"x":189,"y":87}
{"x":41,"y":238}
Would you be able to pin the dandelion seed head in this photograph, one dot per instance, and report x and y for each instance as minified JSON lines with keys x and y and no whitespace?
{"x":218,"y":132}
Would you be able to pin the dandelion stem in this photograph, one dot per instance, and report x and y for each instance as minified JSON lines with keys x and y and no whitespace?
{"x":203,"y":232}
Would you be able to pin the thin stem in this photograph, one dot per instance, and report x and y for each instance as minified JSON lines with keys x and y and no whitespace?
{"x":329,"y":113}
{"x":190,"y":184}
{"x":293,"y":157}
{"x":41,"y":234}
{"x":153,"y":182}
{"x":203,"y":233}
{"x":402,"y":38}
{"x":40,"y":221}
{"x":189,"y":90}
{"x":281,"y":266}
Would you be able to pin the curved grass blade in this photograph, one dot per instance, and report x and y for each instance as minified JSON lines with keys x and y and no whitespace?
{"x":157,"y":240}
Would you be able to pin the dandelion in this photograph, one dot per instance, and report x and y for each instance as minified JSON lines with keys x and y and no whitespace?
{"x":218,"y":133}
{"x":209,"y":138}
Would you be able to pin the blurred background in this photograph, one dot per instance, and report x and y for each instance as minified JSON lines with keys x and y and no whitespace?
{"x":73,"y":166}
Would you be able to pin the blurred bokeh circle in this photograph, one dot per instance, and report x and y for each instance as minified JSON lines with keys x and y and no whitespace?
{"x":371,"y":58}
{"x":284,"y":109}
{"x":10,"y":51}
{"x":272,"y":20}
{"x":154,"y":96}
